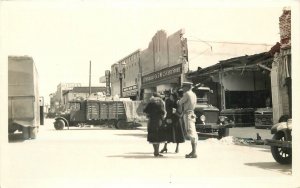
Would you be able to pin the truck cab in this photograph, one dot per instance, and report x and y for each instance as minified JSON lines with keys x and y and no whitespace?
{"x":208,"y":120}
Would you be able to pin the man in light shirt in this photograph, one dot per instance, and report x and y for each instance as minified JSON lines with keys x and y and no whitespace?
{"x":189,"y":101}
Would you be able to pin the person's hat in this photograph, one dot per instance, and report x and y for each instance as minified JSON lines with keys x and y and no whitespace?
{"x":156,"y":94}
{"x":167,"y":93}
{"x":187,"y":84}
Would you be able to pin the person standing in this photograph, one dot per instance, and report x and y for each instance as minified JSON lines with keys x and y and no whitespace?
{"x":188,"y":101}
{"x":174,"y":131}
{"x":155,"y":111}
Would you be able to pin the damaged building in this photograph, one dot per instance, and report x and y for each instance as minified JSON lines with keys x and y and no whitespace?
{"x":253,"y":89}
{"x":240,"y":85}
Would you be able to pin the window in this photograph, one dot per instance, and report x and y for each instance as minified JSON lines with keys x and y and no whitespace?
{"x":75,"y":106}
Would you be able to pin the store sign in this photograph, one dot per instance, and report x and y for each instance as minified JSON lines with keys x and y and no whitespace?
{"x":164,"y":73}
{"x":107,"y":78}
{"x":129,"y":94}
{"x":134,"y":87}
{"x":130,"y":91}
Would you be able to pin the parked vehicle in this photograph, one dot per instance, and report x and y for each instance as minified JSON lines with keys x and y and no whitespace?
{"x":208,"y":121}
{"x":121,"y":114}
{"x":23,"y":96}
{"x":263,"y":118}
{"x":242,"y":117}
{"x":281,"y":143}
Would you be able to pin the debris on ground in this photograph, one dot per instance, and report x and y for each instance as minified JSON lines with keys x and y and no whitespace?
{"x":230,"y":140}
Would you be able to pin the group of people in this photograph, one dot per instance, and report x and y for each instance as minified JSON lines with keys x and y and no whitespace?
{"x":173,"y":119}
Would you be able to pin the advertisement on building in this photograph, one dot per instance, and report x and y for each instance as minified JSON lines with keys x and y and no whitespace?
{"x":164,"y":74}
{"x":107,"y":81}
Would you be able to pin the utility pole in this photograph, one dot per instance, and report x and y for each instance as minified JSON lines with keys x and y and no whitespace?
{"x":90,"y":89}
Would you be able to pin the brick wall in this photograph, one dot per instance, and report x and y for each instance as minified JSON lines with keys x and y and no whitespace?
{"x":285,"y":28}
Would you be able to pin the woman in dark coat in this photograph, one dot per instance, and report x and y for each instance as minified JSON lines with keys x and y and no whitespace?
{"x":155,"y":111}
{"x":174,"y":131}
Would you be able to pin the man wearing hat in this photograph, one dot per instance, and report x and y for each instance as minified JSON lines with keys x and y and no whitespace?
{"x":188,"y":101}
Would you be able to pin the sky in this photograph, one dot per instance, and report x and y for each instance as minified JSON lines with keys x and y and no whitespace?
{"x":63,"y":36}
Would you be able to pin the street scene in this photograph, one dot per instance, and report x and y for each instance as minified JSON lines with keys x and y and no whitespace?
{"x":141,"y":94}
{"x":93,"y":156}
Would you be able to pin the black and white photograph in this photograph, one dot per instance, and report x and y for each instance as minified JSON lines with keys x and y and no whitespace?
{"x":128,"y":93}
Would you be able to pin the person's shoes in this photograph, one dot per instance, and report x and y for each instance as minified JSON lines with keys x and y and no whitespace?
{"x":164,"y":150}
{"x":191,"y":155}
{"x":158,"y":155}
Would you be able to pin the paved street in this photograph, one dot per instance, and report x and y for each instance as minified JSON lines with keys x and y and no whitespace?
{"x":94,"y":157}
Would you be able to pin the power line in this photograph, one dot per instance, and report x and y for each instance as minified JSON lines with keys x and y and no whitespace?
{"x":226,"y":42}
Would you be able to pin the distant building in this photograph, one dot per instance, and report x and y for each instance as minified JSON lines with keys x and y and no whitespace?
{"x":81,"y":93}
{"x":159,"y":67}
{"x":164,"y":63}
{"x":56,"y":99}
{"x":125,"y":76}
{"x":63,"y":87}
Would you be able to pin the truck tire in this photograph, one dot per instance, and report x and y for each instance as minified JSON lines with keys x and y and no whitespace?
{"x":121,"y":124}
{"x":59,"y":124}
{"x":281,"y":155}
{"x":33,"y":132}
{"x":25,"y":133}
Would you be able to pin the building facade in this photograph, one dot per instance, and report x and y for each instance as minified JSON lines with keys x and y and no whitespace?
{"x":56,"y":99}
{"x":240,"y":86}
{"x":125,"y":76}
{"x":82,"y":93}
{"x":164,"y":63}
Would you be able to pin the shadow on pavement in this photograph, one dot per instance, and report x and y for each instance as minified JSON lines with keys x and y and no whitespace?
{"x":84,"y":129}
{"x":133,"y":134}
{"x":264,"y":148}
{"x":142,"y":155}
{"x":286,"y":169}
{"x":15,"y":138}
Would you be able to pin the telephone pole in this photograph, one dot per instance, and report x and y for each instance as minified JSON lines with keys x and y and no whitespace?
{"x":90,"y":89}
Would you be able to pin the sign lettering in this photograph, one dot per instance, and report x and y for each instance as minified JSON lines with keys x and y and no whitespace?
{"x":165,"y":73}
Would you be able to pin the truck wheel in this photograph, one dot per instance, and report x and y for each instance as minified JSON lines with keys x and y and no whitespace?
{"x":25,"y":133}
{"x":33,"y":132}
{"x":59,"y":124}
{"x":121,"y":124}
{"x":281,"y":154}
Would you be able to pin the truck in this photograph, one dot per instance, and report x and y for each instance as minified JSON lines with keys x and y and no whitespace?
{"x":209,"y":122}
{"x":120,"y":114}
{"x":23,"y":97}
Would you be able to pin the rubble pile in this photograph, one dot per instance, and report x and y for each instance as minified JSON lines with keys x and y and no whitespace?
{"x":230,"y":140}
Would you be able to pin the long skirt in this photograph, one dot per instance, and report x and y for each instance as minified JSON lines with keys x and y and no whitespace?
{"x":174,"y":130}
{"x":155,"y":131}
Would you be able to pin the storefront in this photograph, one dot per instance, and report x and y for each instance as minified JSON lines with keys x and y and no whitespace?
{"x":130,"y":92}
{"x":167,"y":79}
{"x":241,"y":86}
